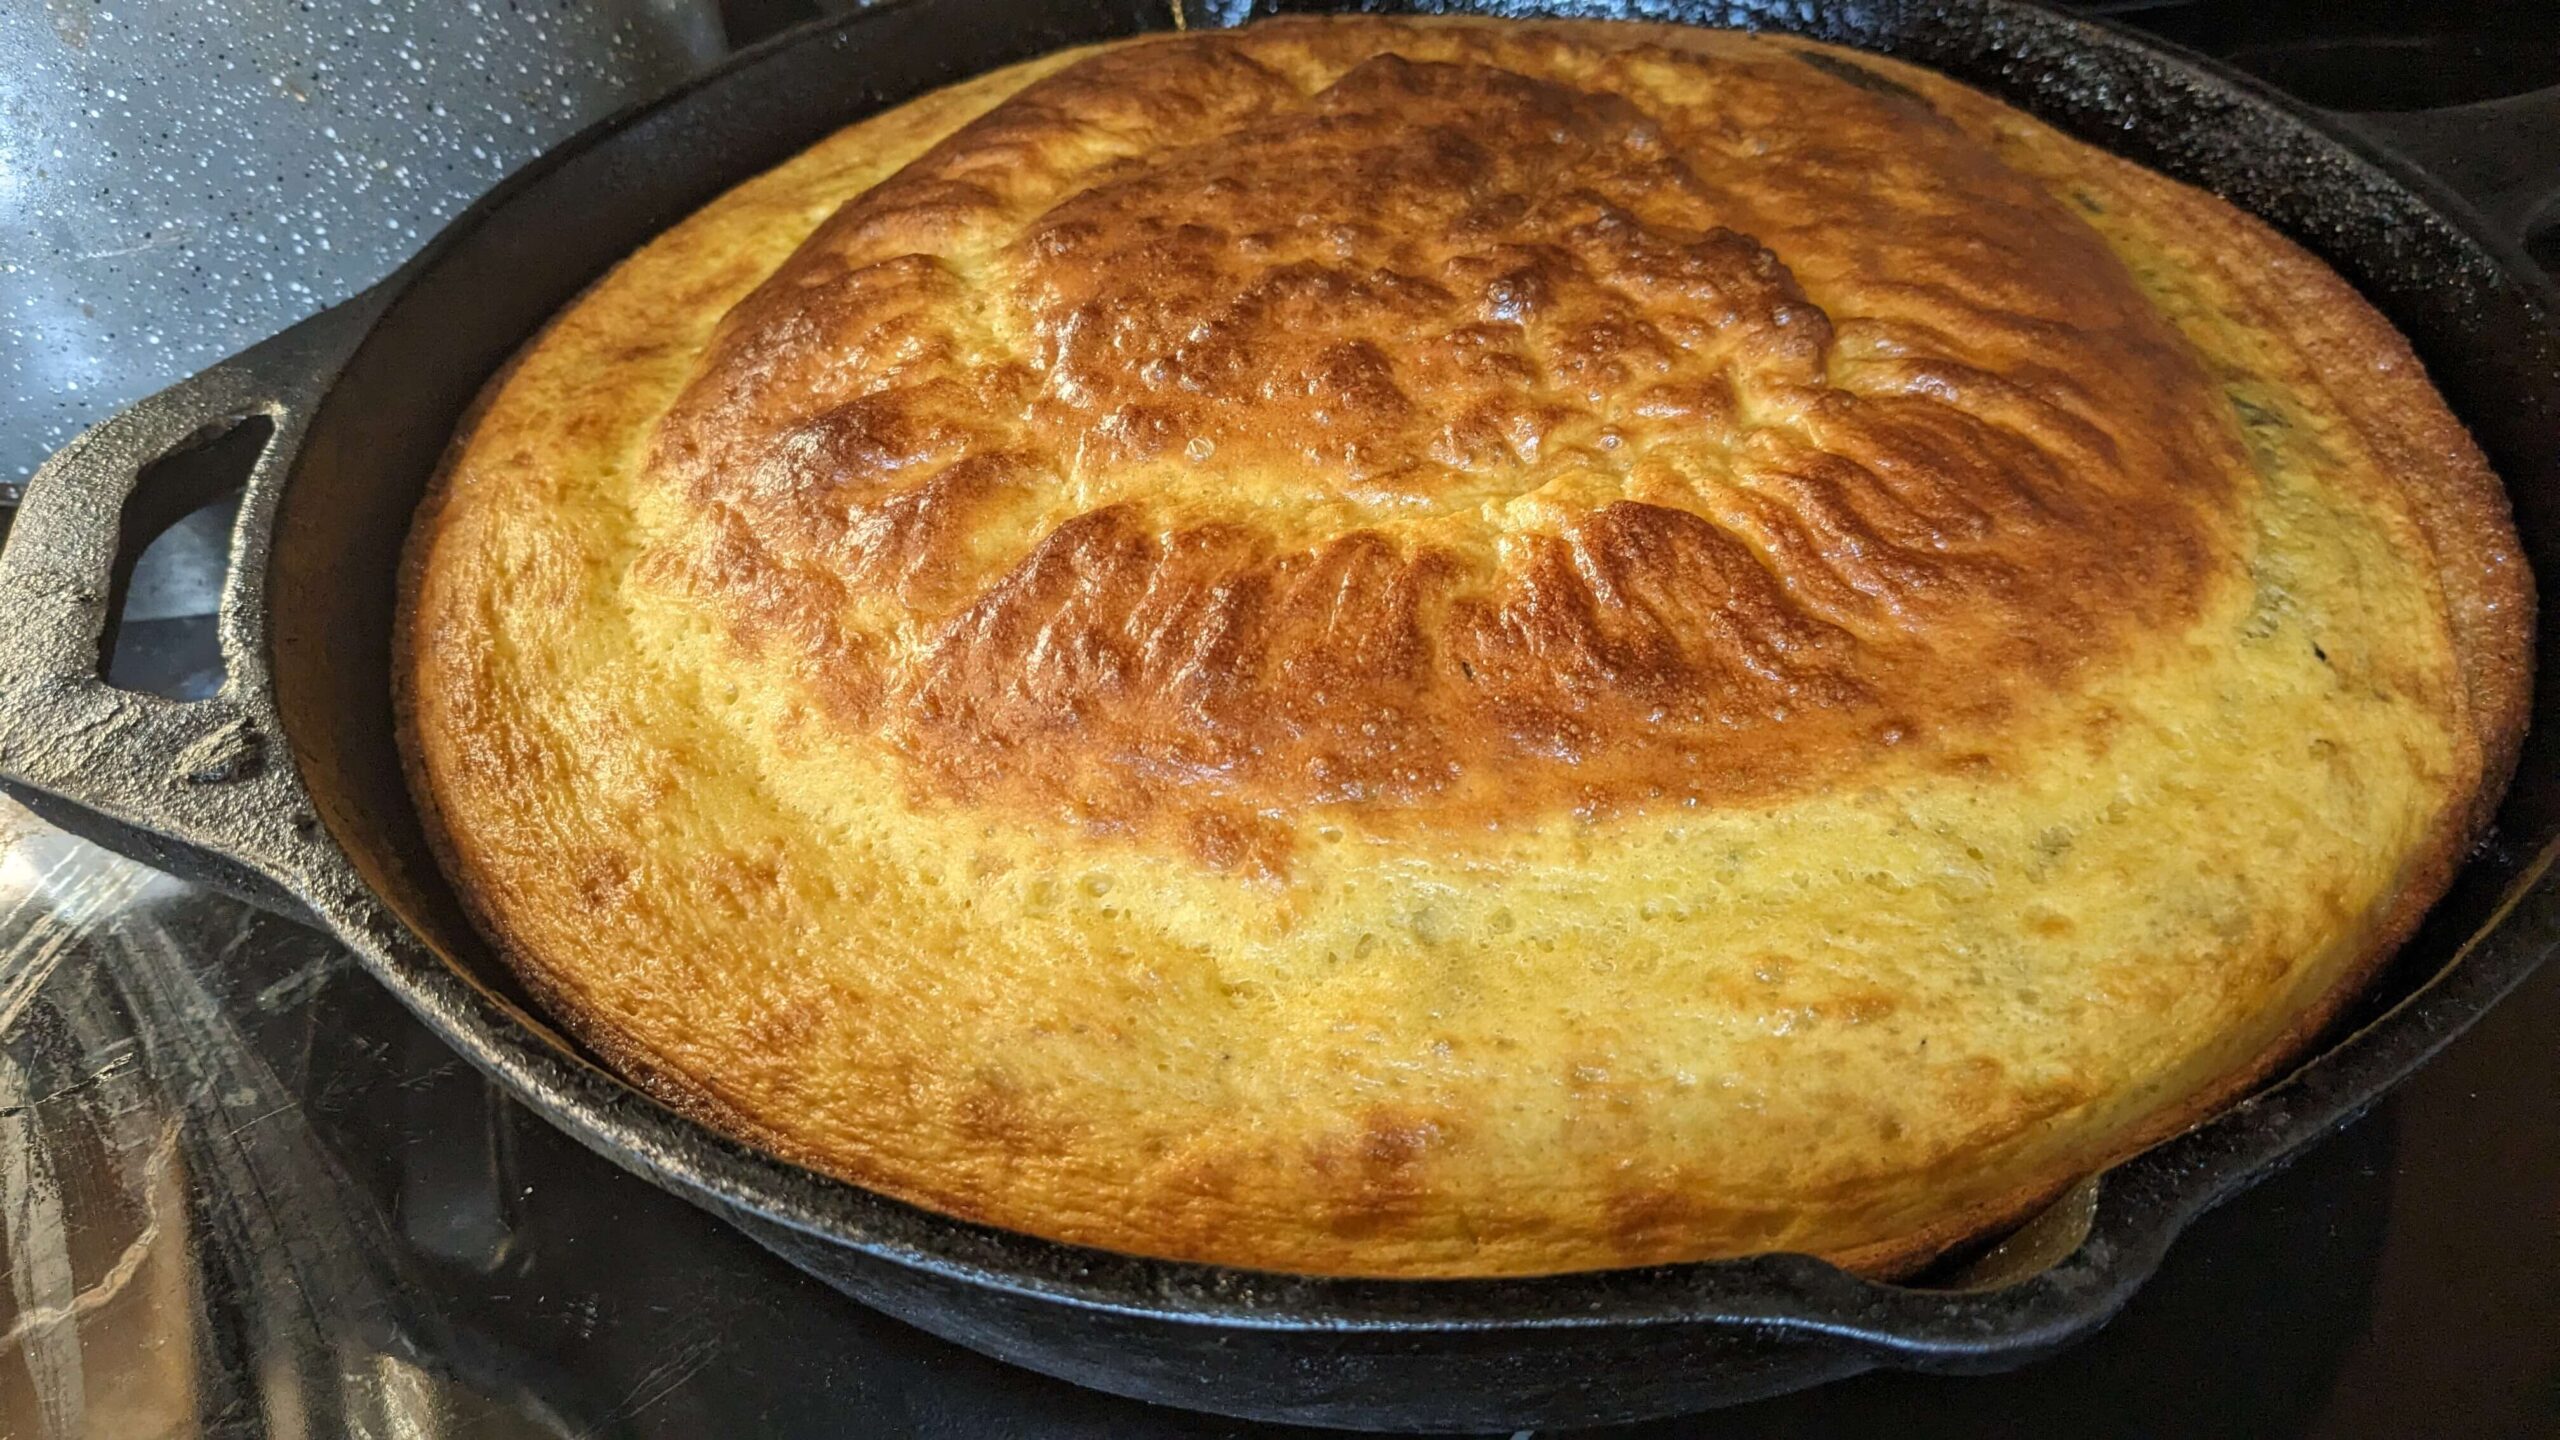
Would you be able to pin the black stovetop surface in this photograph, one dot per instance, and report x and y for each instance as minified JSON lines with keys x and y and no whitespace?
{"x":243,"y":1194}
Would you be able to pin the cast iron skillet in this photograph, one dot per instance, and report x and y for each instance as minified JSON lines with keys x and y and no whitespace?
{"x":284,"y":787}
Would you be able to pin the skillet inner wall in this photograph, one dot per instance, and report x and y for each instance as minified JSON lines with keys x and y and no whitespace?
{"x":483,"y":289}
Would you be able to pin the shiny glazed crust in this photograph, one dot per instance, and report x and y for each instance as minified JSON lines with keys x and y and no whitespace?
{"x":1433,"y":648}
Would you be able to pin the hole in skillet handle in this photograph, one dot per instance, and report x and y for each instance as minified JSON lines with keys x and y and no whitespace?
{"x":114,"y":724}
{"x":173,"y":554}
{"x":182,"y":769}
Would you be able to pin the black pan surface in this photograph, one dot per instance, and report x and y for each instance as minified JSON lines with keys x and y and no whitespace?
{"x":285,"y":786}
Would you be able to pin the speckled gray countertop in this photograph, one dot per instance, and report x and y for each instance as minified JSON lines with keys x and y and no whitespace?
{"x":182,"y":178}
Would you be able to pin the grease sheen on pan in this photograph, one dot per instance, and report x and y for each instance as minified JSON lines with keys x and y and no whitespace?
{"x":1437,"y":648}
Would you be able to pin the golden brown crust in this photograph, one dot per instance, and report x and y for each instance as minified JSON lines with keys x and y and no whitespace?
{"x":1436,"y":434}
{"x":915,"y":761}
{"x":2437,"y":471}
{"x":2459,"y":506}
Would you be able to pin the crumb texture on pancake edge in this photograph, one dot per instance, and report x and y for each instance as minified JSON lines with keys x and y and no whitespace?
{"x":1939,"y":943}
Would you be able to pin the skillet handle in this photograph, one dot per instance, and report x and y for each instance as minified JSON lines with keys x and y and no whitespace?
{"x":2502,"y":156}
{"x":198,"y":787}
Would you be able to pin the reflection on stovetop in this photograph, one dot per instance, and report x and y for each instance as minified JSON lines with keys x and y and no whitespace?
{"x":243,"y":1194}
{"x":246,"y":1194}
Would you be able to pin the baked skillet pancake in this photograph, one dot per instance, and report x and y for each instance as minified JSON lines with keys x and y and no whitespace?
{"x":1429,"y":648}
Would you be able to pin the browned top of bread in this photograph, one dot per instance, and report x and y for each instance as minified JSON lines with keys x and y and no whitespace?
{"x":1268,"y":420}
{"x":1421,"y":648}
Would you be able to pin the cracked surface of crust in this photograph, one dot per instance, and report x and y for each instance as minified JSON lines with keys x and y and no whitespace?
{"x":1438,"y":430}
{"x":1450,"y":648}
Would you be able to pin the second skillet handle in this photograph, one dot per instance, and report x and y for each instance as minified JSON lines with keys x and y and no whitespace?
{"x":2502,"y":156}
{"x":197,"y":787}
